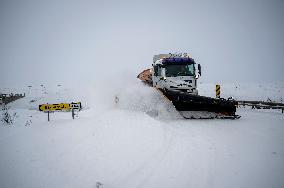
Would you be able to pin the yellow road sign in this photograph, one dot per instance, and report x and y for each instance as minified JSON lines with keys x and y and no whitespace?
{"x":218,"y":91}
{"x":54,"y":107}
{"x":60,"y":107}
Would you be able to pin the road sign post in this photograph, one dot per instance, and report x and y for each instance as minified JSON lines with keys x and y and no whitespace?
{"x":73,"y":113}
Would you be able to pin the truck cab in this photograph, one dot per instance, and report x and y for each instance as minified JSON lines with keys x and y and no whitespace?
{"x":175,"y":72}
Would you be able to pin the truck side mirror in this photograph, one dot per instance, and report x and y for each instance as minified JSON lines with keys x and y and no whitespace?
{"x":199,"y":69}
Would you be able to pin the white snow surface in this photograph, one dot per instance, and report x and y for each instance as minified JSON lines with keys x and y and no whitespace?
{"x":124,"y":145}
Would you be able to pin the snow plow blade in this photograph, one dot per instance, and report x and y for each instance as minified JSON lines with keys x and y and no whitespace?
{"x":200,"y":107}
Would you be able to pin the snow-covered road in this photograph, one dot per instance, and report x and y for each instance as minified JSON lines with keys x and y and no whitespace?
{"x":131,"y":149}
{"x":123,"y":147}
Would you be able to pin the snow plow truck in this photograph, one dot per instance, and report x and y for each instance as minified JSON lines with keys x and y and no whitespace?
{"x":175,"y":76}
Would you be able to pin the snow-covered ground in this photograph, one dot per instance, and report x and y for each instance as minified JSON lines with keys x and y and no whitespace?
{"x":122,"y":146}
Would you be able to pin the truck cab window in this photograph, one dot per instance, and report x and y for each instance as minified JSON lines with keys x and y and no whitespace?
{"x":180,"y":70}
{"x":157,"y":70}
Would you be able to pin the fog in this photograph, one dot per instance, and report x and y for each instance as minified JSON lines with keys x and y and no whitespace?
{"x":64,"y":42}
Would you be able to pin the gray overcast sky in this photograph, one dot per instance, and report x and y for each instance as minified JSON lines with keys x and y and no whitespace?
{"x":61,"y":41}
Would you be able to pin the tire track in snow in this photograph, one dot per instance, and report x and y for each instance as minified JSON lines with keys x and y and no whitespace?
{"x":146,"y":169}
{"x":185,"y":164}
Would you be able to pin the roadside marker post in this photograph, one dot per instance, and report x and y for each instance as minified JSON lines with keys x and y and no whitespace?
{"x":218,"y":91}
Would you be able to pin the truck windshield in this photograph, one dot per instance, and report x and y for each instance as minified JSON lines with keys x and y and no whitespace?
{"x":180,"y":70}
